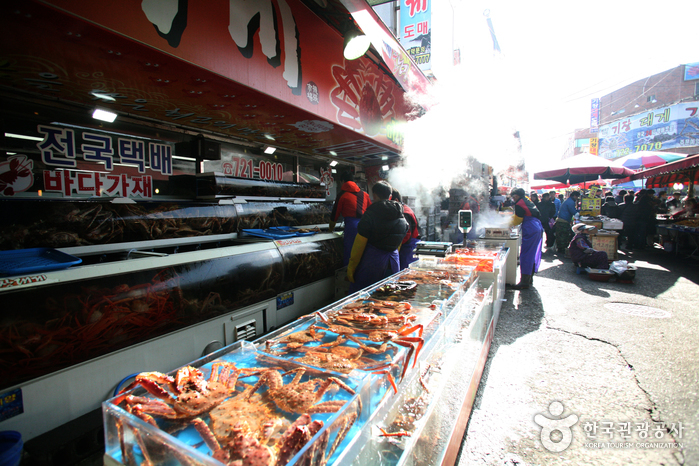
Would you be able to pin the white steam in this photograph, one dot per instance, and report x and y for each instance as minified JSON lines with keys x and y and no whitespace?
{"x":467,"y":123}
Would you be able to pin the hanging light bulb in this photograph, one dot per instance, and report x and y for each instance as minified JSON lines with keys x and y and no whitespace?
{"x":356,"y":44}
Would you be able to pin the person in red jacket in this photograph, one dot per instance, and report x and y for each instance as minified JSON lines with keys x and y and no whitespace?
{"x":411,"y":237}
{"x":351,"y":203}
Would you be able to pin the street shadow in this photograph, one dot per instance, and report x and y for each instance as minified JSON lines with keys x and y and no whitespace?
{"x":657,"y":271}
{"x":522,"y":312}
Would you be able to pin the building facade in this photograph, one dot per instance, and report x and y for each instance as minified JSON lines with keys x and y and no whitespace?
{"x":657,"y":113}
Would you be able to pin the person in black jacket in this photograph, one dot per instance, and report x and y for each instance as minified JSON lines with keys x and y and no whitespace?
{"x":547,"y":209}
{"x":610,"y":208}
{"x":380,"y":233}
{"x":629,"y":216}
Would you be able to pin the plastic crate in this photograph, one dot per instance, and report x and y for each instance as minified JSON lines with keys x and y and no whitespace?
{"x":35,"y":260}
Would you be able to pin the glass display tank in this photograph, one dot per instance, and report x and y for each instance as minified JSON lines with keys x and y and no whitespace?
{"x":372,"y":421}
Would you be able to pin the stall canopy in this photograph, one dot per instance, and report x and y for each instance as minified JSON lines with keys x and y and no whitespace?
{"x":648,"y":159}
{"x":682,"y":171}
{"x":584,"y":168}
{"x":547,"y":184}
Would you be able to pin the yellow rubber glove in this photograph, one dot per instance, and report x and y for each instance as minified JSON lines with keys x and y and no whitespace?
{"x":331,"y":226}
{"x":357,"y":252}
{"x":516,"y":221}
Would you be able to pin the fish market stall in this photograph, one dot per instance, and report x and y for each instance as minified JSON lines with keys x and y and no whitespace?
{"x":372,"y":377}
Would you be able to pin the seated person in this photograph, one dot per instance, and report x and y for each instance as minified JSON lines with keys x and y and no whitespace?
{"x":581,"y":251}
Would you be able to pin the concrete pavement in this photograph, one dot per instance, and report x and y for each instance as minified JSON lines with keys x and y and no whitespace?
{"x":620,"y":360}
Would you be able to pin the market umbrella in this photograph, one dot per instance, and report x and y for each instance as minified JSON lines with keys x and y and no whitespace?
{"x":547,"y":184}
{"x":583,"y":168}
{"x":648,"y":159}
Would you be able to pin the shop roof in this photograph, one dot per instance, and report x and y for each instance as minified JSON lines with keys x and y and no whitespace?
{"x":289,"y":87}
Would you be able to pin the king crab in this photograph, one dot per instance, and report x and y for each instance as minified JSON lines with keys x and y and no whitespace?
{"x":300,"y":397}
{"x":186,"y":395}
{"x":245,"y":446}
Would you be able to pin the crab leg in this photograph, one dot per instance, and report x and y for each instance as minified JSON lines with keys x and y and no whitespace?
{"x":393,"y":434}
{"x":390,"y":379}
{"x":210,"y":440}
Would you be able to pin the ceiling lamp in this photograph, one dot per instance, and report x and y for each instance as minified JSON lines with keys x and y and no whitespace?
{"x":104,"y":115}
{"x":333,"y":163}
{"x":356,"y":44}
{"x":270,"y":150}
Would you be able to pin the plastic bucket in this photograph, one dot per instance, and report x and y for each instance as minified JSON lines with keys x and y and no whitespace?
{"x":10,"y":448}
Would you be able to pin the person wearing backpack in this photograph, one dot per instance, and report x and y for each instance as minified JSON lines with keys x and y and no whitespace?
{"x":351,"y":203}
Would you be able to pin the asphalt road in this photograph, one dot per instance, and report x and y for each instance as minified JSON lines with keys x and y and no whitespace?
{"x":620,"y":360}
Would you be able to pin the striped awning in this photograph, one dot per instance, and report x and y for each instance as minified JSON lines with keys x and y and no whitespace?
{"x":681,"y":171}
{"x":668,"y":179}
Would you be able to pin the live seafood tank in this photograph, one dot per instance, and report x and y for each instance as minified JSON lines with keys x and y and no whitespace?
{"x":76,"y":332}
{"x":385,"y":355}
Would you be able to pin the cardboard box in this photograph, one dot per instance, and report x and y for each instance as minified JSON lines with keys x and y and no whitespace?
{"x":606,"y":243}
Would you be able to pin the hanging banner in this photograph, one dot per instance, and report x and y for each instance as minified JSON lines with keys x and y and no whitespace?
{"x":415,"y":31}
{"x":594,"y":146}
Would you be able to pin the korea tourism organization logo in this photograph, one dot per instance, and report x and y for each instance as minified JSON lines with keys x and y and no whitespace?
{"x":557,"y":432}
{"x":556,"y":424}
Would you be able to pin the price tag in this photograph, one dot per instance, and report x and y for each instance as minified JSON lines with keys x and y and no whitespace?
{"x":284,"y":300}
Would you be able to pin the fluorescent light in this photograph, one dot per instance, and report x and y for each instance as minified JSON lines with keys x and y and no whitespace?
{"x":333,"y":163}
{"x":384,"y":157}
{"x":179,"y":157}
{"x":99,"y":95}
{"x":269,"y":137}
{"x":270,"y":150}
{"x":104,"y":115}
{"x":385,"y":168}
{"x":23,"y":136}
{"x":333,"y":170}
{"x":333,"y":153}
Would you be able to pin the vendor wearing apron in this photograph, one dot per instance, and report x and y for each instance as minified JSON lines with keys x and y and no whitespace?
{"x":380,"y":233}
{"x":351,"y":204}
{"x":527,"y":215}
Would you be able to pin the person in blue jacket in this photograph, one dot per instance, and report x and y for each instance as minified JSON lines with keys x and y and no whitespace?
{"x":556,"y":201}
{"x":564,"y":222}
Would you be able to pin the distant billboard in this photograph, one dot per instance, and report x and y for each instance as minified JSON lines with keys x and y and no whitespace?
{"x":663,"y":128}
{"x":691,"y":71}
{"x":416,"y":31}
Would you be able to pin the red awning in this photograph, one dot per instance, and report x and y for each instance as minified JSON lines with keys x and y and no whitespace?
{"x":673,"y":167}
{"x":661,"y":181}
